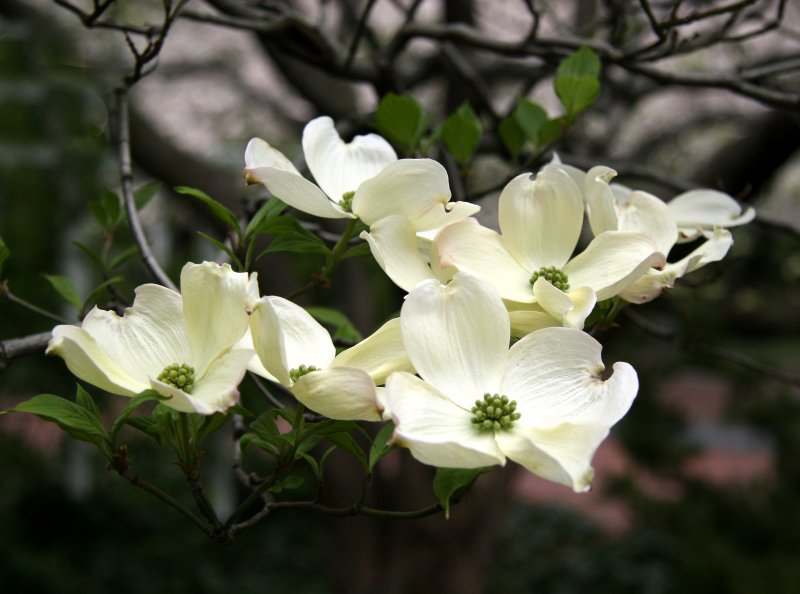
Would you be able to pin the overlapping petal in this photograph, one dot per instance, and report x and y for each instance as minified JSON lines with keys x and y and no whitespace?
{"x":571,"y":309}
{"x":457,"y":336}
{"x":540,"y":219}
{"x":380,"y":354}
{"x":340,"y":167}
{"x":343,"y":393}
{"x":436,"y":430}
{"x":700,"y":211}
{"x":286,"y":336}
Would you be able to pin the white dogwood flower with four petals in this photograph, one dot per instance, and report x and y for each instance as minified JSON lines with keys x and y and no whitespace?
{"x":542,"y":403}
{"x":179,"y":344}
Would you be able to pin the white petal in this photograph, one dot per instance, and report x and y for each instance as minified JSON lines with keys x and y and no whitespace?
{"x":555,"y":374}
{"x":470,"y":247}
{"x":286,"y":336}
{"x":89,"y":362}
{"x":562,"y":454}
{"x":612,"y":261}
{"x":297,"y":192}
{"x":457,"y":336}
{"x":541,"y":219}
{"x":216,"y":302}
{"x":395,"y":248}
{"x":260,"y":154}
{"x":255,"y":364}
{"x":713,"y":249}
{"x":645,"y":213}
{"x":340,"y":167}
{"x":409,"y":187}
{"x":216,"y":391}
{"x":600,"y":202}
{"x":705,"y":209}
{"x":438,"y":216}
{"x":342,"y":393}
{"x":379,"y":355}
{"x":525,"y":321}
{"x":437,"y":431}
{"x":575,"y":174}
{"x":570,"y":308}
{"x":652,"y":283}
{"x":150,"y":336}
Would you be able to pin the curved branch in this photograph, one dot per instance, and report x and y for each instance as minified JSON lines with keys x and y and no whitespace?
{"x":20,"y":347}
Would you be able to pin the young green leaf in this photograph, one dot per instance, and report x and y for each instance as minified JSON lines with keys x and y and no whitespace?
{"x":360,"y":250}
{"x":135,"y":402}
{"x":85,"y":400}
{"x":113,"y":209}
{"x":461,"y":133}
{"x":531,"y":117}
{"x":144,"y":194}
{"x":577,"y":81}
{"x":123,"y":257}
{"x":343,"y":328}
{"x":346,"y":442}
{"x":269,"y":211}
{"x":65,"y":288}
{"x":76,"y":420}
{"x":450,"y":484}
{"x":222,"y":247}
{"x":219,"y":210}
{"x":379,"y":447}
{"x":512,"y":135}
{"x":98,"y":290}
{"x":4,"y":253}
{"x":298,"y":241}
{"x":401,"y":120}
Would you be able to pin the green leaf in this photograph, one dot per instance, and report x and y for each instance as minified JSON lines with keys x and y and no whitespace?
{"x":113,"y":208}
{"x":4,"y":253}
{"x":450,"y":484}
{"x":577,"y":82}
{"x":146,"y":425}
{"x":315,"y":466}
{"x":144,"y":194}
{"x":123,"y":257}
{"x":289,"y":483}
{"x":346,"y":442}
{"x":270,"y":210}
{"x":79,"y":422}
{"x":222,"y":247}
{"x":512,"y":135}
{"x":553,"y":130}
{"x":298,"y":241}
{"x":379,"y":447}
{"x":65,"y":288}
{"x":360,"y":250}
{"x":343,"y":328}
{"x":461,"y":133}
{"x":219,"y":210}
{"x":401,"y":119}
{"x":89,"y":252}
{"x":85,"y":400}
{"x":98,"y":290}
{"x":99,"y":212}
{"x":531,"y":117}
{"x":135,"y":402}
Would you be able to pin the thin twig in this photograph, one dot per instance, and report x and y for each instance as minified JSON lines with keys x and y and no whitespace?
{"x":126,"y":177}
{"x":19,"y":347}
{"x":360,"y":29}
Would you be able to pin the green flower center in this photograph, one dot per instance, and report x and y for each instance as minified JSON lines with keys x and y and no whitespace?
{"x":179,"y":375}
{"x":298,"y":372}
{"x":552,"y":275}
{"x":347,"y":201}
{"x":494,"y":413}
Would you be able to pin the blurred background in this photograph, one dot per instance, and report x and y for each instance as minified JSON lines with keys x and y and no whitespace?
{"x":697,"y":490}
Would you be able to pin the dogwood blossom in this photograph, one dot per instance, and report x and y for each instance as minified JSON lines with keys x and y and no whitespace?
{"x":179,"y":344}
{"x":530,"y":260}
{"x":361,"y":179}
{"x":542,"y":403}
{"x":299,"y":353}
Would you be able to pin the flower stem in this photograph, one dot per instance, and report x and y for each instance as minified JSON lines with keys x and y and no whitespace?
{"x":5,"y":291}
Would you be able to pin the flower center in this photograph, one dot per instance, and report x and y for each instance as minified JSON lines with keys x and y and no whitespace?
{"x":298,"y":372}
{"x":347,"y":201}
{"x":179,"y":375}
{"x":494,"y":413}
{"x":552,"y":275}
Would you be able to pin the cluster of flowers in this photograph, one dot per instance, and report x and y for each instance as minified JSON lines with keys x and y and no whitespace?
{"x":460,"y":392}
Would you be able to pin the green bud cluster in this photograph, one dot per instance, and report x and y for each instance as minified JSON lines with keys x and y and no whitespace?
{"x":347,"y":201}
{"x":179,"y":375}
{"x":494,"y":413}
{"x":297,"y":373}
{"x":552,"y":275}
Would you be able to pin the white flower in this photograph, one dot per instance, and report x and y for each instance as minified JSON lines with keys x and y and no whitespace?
{"x":361,"y":179}
{"x":553,"y":409}
{"x":615,"y":207}
{"x":299,"y":353}
{"x":530,"y":261}
{"x":179,"y":344}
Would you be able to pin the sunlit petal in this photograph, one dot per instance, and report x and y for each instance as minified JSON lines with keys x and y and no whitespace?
{"x":340,"y":167}
{"x":380,"y":354}
{"x":342,"y":393}
{"x":395,"y":248}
